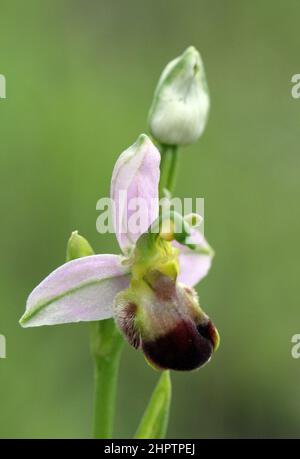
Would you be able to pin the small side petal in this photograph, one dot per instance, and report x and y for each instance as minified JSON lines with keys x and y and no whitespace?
{"x":80,"y":290}
{"x":134,"y":191}
{"x":194,"y":264}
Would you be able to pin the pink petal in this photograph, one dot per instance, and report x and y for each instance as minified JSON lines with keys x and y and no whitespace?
{"x":80,"y":290}
{"x":134,"y":182}
{"x":194,"y":265}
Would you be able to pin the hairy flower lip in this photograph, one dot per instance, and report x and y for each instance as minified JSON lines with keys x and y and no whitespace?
{"x":163,"y":318}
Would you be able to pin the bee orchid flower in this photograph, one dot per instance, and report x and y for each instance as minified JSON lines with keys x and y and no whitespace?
{"x":148,"y":289}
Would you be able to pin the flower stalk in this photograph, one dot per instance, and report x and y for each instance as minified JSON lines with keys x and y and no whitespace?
{"x":172,"y":176}
{"x":106,"y":348}
{"x":168,"y":168}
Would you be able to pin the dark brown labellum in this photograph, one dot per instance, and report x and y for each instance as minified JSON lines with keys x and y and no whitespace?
{"x":184,"y":348}
{"x":163,"y":317}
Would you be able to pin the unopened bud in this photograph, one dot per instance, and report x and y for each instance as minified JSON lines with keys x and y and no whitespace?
{"x":180,"y":106}
{"x":78,"y":247}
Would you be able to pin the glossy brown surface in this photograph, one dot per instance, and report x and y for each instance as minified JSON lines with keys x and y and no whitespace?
{"x":183,"y":348}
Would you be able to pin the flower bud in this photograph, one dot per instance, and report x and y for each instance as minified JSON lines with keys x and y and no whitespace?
{"x":78,"y":247}
{"x":164,"y":319}
{"x":180,"y":106}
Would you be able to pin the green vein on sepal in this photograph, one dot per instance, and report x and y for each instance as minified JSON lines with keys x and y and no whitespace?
{"x":36,"y":309}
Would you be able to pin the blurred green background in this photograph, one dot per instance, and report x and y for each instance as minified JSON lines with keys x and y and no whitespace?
{"x":80,"y":78}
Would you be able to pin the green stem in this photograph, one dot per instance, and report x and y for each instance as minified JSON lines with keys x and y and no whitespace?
{"x":172,"y":176}
{"x":106,"y":347}
{"x":168,"y":168}
{"x":164,"y":167}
